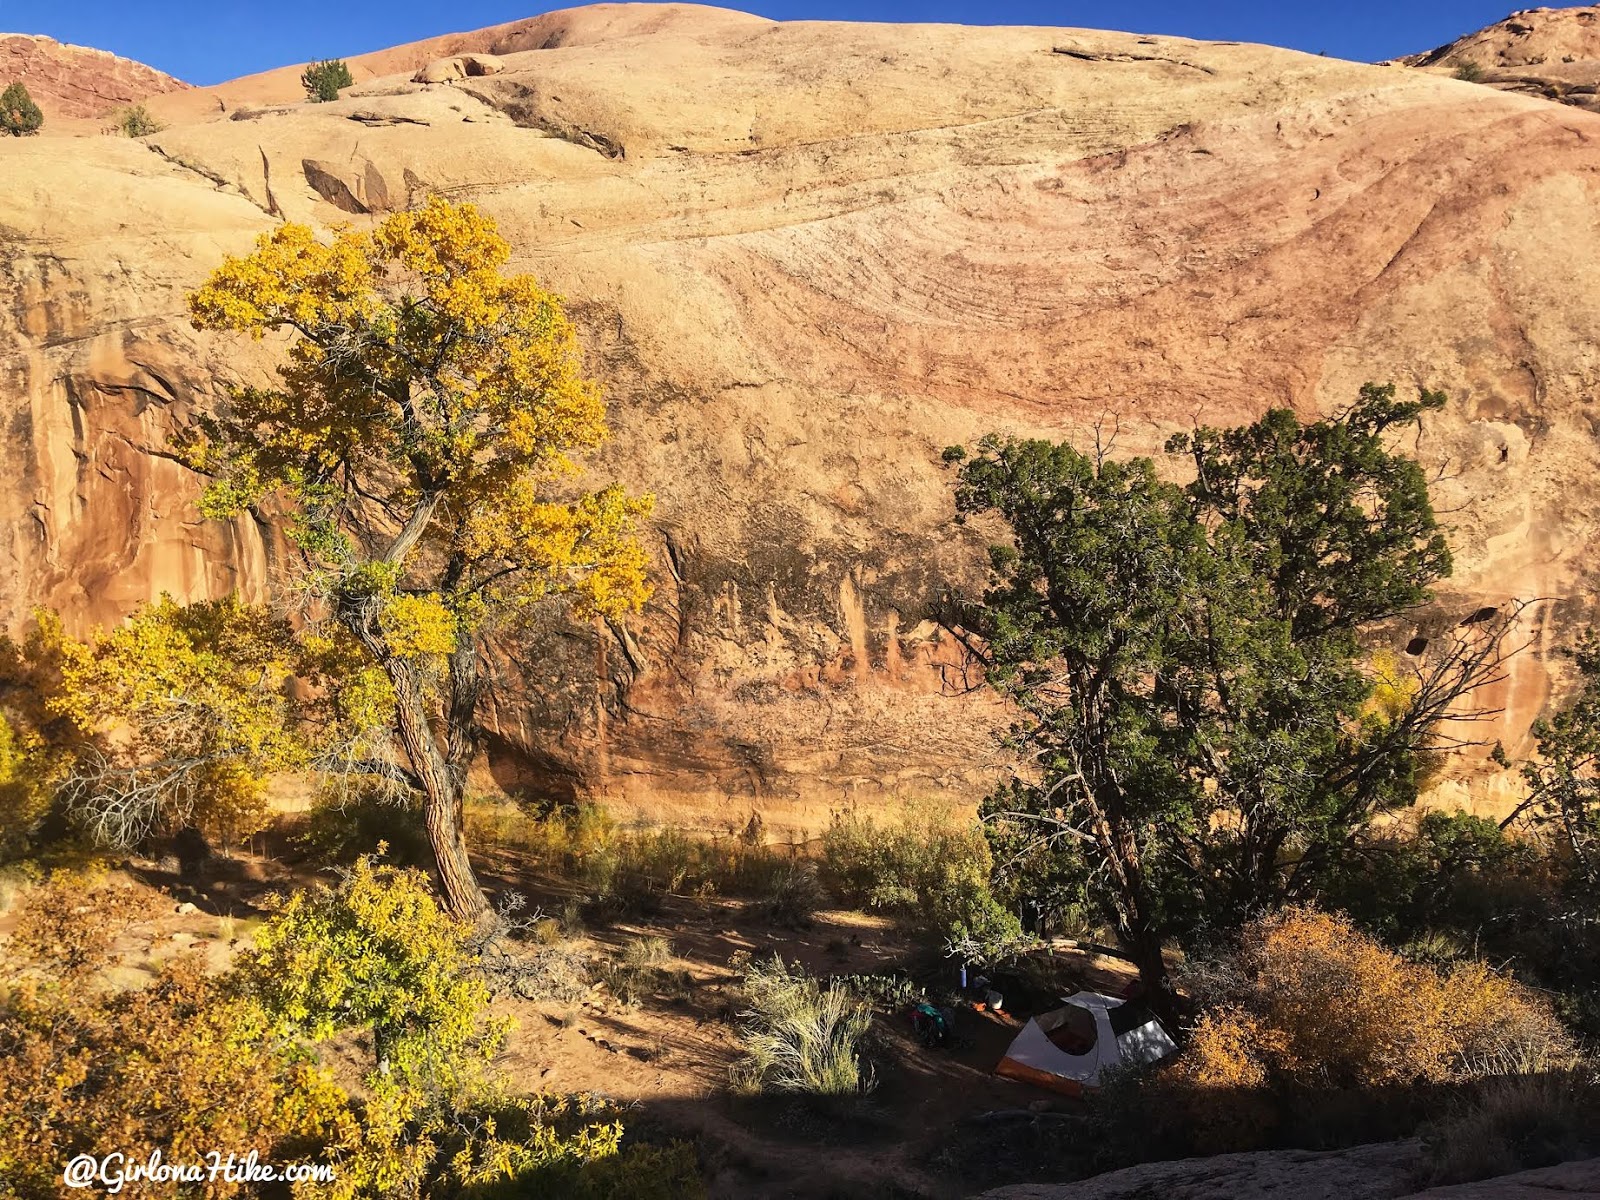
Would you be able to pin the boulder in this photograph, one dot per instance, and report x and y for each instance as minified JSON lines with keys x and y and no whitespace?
{"x":445,"y":70}
{"x":459,"y":66}
{"x":481,"y":64}
{"x":1381,"y":1171}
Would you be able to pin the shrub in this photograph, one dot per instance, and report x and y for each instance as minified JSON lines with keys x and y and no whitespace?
{"x":933,"y":872}
{"x":1448,"y":875}
{"x":629,"y":872}
{"x":135,"y":121}
{"x":560,"y":1146}
{"x":641,"y":969}
{"x":793,"y":897}
{"x":555,"y":972}
{"x":1335,"y":1009}
{"x":487,"y":1146}
{"x":184,"y":1066}
{"x":799,"y":1037}
{"x":194,"y":1063}
{"x":882,"y":991}
{"x":19,"y":115}
{"x":670,"y":861}
{"x":177,"y":717}
{"x":640,"y":1172}
{"x":323,"y":79}
{"x":1470,"y":72}
{"x":1321,"y":1004}
{"x":348,"y":823}
{"x":28,"y":771}
{"x":1310,"y":1007}
{"x":54,"y":934}
{"x":1454,"y":887}
{"x":1498,"y":1027}
{"x":378,"y":953}
{"x":1515,"y":1124}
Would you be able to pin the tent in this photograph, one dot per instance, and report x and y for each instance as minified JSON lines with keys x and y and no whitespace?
{"x":1068,"y":1048}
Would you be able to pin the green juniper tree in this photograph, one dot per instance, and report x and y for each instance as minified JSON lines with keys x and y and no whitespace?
{"x":323,"y":79}
{"x":1564,"y":780}
{"x":19,"y":115}
{"x":1196,"y":724}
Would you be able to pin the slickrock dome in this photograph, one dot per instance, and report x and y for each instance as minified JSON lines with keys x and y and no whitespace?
{"x":805,"y":258}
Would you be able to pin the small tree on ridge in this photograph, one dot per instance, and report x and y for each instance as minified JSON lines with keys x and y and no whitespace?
{"x":323,"y":79}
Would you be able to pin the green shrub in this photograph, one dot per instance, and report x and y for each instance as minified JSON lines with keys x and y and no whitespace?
{"x":435,"y":1120}
{"x":135,"y":121}
{"x":799,"y":1037}
{"x":28,"y":771}
{"x":671,"y":861}
{"x":323,"y":79}
{"x":19,"y":115}
{"x":793,"y":897}
{"x":882,"y":991}
{"x":343,"y":827}
{"x":641,"y":969}
{"x":626,"y":871}
{"x":930,"y":871}
{"x":376,"y":953}
{"x":639,"y":1172}
{"x":556,"y":840}
{"x":1440,"y":880}
{"x":1470,"y":72}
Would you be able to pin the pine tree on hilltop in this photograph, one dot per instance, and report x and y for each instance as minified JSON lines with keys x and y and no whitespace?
{"x":323,"y":79}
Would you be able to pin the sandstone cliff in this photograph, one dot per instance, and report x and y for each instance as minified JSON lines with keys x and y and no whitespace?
{"x":807,"y":256}
{"x":76,"y":81}
{"x":1549,"y":52}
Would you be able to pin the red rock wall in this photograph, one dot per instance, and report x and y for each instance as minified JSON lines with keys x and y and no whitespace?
{"x":75,"y":81}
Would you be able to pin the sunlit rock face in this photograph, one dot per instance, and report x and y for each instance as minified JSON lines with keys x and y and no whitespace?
{"x":805,"y":258}
{"x":1549,"y":52}
{"x":76,"y":81}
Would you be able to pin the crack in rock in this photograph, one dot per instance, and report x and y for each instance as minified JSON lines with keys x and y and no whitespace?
{"x":1113,"y":56}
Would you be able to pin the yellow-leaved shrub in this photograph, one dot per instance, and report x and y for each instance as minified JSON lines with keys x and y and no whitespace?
{"x":184,"y":1066}
{"x":1317,"y":1004}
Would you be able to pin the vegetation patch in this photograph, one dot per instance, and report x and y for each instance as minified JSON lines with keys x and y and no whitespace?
{"x":800,"y":1037}
{"x":323,"y":79}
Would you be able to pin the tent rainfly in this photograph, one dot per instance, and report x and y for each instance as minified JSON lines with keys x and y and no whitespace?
{"x":1068,"y":1048}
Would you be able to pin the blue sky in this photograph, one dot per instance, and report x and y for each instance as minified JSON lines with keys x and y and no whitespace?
{"x":207,"y":43}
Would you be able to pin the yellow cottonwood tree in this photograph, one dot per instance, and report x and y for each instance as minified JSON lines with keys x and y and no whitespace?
{"x":177,"y":717}
{"x":419,"y":438}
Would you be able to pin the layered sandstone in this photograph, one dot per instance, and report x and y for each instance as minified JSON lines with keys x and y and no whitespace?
{"x":76,"y":81}
{"x":1549,"y":52}
{"x":806,"y":257}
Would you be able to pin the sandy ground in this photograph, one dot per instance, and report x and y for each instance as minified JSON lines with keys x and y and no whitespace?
{"x":667,"y":1056}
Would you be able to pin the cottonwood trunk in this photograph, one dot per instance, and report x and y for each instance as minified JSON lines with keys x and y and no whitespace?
{"x":443,"y":785}
{"x":442,"y":814}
